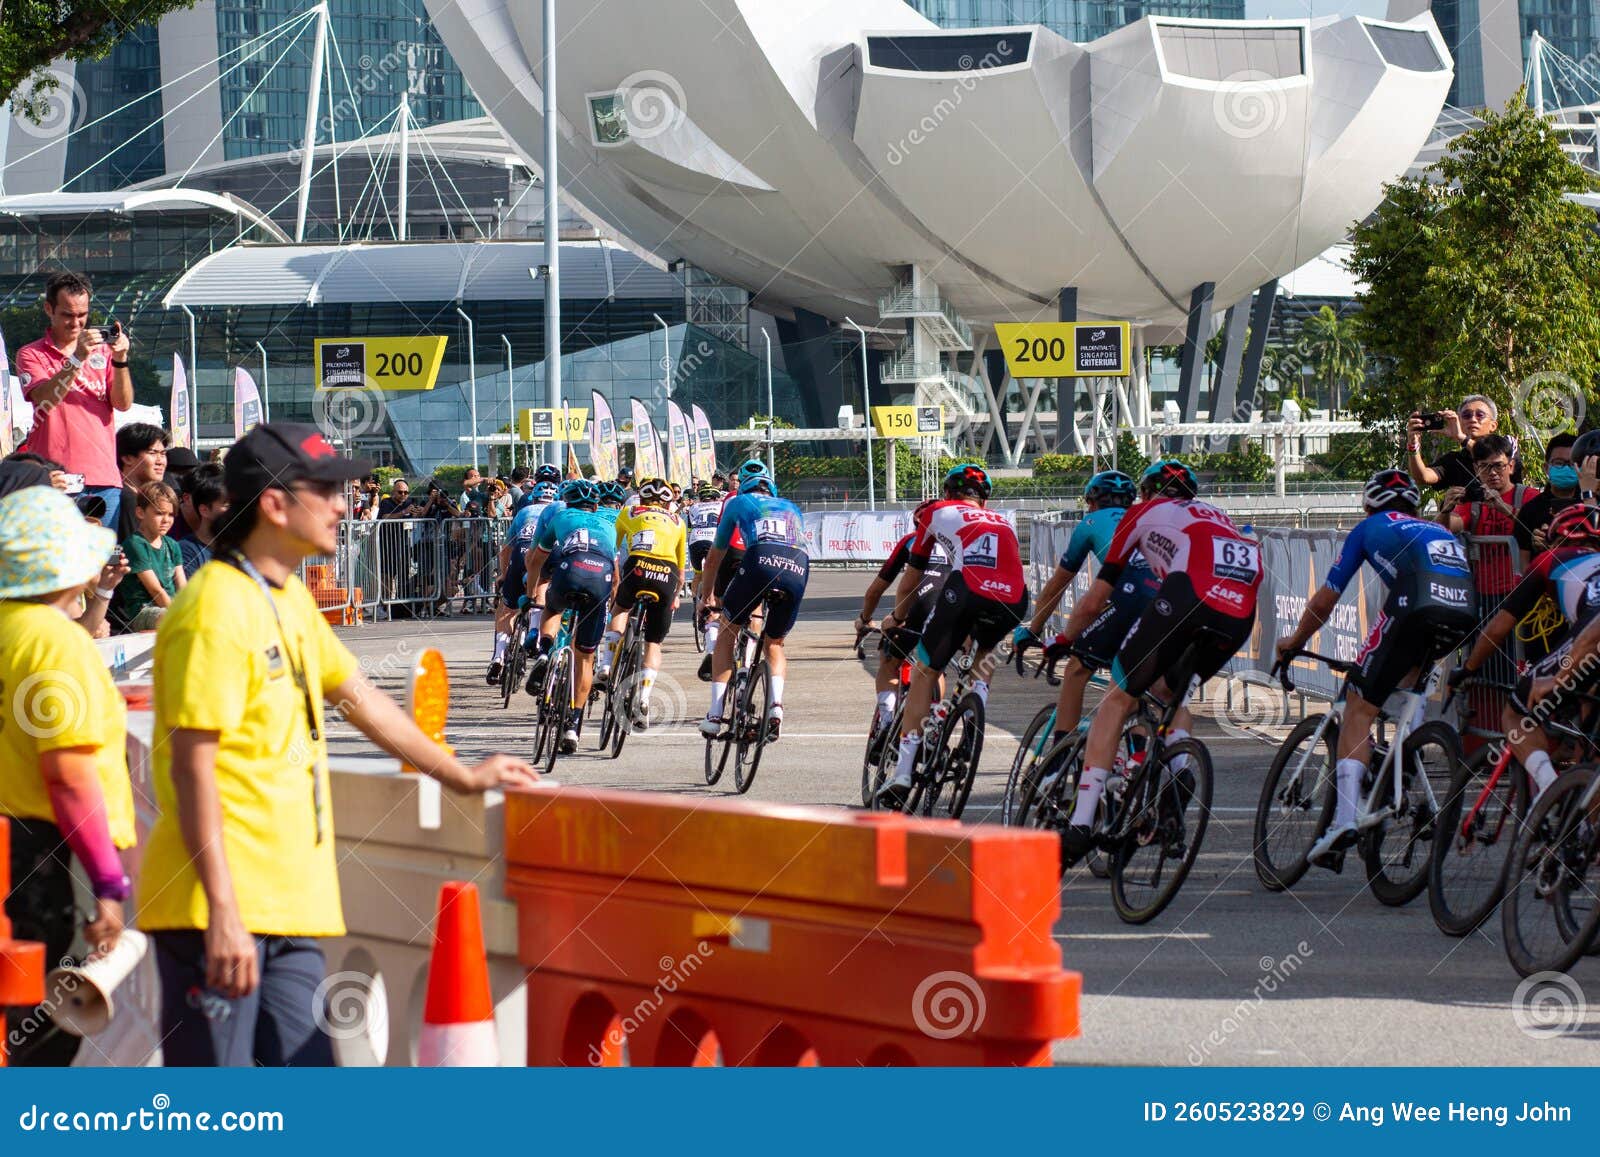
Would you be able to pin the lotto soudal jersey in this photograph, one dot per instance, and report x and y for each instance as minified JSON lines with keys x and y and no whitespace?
{"x":1569,"y":575}
{"x":702,"y":518}
{"x":1193,"y":538}
{"x":979,"y":542}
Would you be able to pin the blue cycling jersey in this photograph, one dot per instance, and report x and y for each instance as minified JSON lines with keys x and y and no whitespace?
{"x":1398,"y":545}
{"x":525,"y":526}
{"x":764,"y":521}
{"x":611,"y":513}
{"x":546,"y":513}
{"x":1093,"y":535}
{"x":571,"y":531}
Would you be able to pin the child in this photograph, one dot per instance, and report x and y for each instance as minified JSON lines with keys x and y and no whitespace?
{"x":155,"y":562}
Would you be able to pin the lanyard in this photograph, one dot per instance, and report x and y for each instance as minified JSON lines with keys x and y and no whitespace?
{"x":298,"y":673}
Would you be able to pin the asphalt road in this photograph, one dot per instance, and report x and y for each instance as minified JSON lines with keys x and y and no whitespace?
{"x":1229,"y":975}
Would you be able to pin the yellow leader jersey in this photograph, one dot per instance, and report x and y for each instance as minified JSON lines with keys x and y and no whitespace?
{"x":652,"y":532}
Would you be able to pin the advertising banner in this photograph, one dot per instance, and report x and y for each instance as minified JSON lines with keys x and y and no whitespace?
{"x":705,"y":449}
{"x":603,"y":440}
{"x":646,"y":449}
{"x":388,"y":363}
{"x":680,"y":465}
{"x":178,"y":409}
{"x":246,"y":403}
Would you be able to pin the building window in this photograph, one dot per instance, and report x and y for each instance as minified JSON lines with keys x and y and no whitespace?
{"x":1218,"y":53}
{"x":949,"y":53}
{"x":609,"y":119}
{"x":1408,"y":48}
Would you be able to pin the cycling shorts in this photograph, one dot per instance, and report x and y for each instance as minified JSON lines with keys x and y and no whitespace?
{"x":658,"y":578}
{"x":775,"y":574}
{"x":1401,"y":643}
{"x":1097,"y":647}
{"x":1560,"y":701}
{"x":1175,"y":618}
{"x":725,"y":572}
{"x":515,"y":583}
{"x":582,"y":582}
{"x":697,"y":555}
{"x":901,"y":642}
{"x":959,"y":614}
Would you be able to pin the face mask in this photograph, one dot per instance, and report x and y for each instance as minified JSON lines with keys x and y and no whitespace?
{"x":1563,"y":477}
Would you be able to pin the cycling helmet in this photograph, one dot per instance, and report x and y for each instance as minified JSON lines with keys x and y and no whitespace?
{"x":580,"y":492}
{"x":752,"y":468}
{"x":1110,"y":488}
{"x":970,"y":479}
{"x":625,"y":475}
{"x":1388,"y":487}
{"x":1576,"y":526}
{"x":1169,"y":478}
{"x":758,"y":482}
{"x":545,"y":492}
{"x":708,"y":492}
{"x":549,"y":472}
{"x":612,"y":493}
{"x":657,"y":490}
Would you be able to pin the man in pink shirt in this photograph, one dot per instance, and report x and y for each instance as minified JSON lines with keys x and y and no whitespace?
{"x":75,"y":378}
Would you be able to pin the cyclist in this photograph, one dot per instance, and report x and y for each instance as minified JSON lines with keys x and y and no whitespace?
{"x":983,"y":597}
{"x":722,"y":573}
{"x":1209,"y":575}
{"x":1431,"y":607}
{"x":547,"y":474}
{"x":1106,"y":498}
{"x":774,"y":570}
{"x":613,"y":497}
{"x":580,"y":543}
{"x":701,"y":518}
{"x":1569,"y":572}
{"x":513,"y":574}
{"x":899,"y":640}
{"x":624,"y":480}
{"x":652,"y":550}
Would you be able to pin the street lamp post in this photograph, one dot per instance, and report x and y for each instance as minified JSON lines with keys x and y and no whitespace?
{"x":266,"y":387}
{"x":472,"y":374}
{"x":866,"y":396}
{"x":194,"y":371}
{"x":772,"y":468}
{"x":511,"y":399}
{"x":552,"y":217}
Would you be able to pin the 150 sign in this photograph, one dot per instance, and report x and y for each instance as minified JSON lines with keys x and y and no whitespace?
{"x":1065,"y":349}
{"x":908,"y":421}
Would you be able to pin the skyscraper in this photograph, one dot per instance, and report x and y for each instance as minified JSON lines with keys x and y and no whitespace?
{"x":1490,"y":39}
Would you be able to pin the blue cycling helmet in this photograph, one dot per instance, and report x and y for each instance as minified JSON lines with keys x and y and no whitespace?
{"x":549,"y":472}
{"x":1169,"y":478}
{"x":753,"y":482}
{"x":1110,"y":488}
{"x":546,"y":492}
{"x":968,"y":478}
{"x":752,"y":468}
{"x":614,"y":493}
{"x":572,"y":487}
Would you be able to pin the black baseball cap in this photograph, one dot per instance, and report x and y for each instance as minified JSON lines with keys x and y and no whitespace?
{"x":278,"y":453}
{"x":182,"y":459}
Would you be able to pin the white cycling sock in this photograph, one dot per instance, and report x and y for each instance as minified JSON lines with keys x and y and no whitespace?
{"x":535,"y":617}
{"x":719,"y":692}
{"x":777,"y":690}
{"x":647,"y":680}
{"x":1349,"y":773}
{"x":501,"y":642}
{"x":1179,"y":762}
{"x":713,"y":629}
{"x":908,"y":757}
{"x":1090,"y":787}
{"x":886,"y":702}
{"x":608,"y":648}
{"x":981,"y":689}
{"x":1539,"y":766}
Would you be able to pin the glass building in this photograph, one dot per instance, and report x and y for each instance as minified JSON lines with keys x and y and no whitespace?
{"x":1079,"y":20}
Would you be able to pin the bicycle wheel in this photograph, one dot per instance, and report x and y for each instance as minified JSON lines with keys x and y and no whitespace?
{"x":1478,"y":827}
{"x":544,"y":725}
{"x":1296,"y":804}
{"x":1158,"y":835}
{"x":1549,"y":914}
{"x":1398,"y":850}
{"x":558,"y":702}
{"x":699,"y":628}
{"x":622,"y":690}
{"x":958,"y":746}
{"x":515,"y":670}
{"x":720,"y":748}
{"x":870,"y":759}
{"x":750,"y":739}
{"x":888,"y":756}
{"x":1029,"y":750}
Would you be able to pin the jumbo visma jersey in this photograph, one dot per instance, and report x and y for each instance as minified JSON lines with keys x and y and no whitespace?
{"x":651,"y":532}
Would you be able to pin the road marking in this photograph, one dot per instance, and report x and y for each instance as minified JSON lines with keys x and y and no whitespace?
{"x":1133,"y":936}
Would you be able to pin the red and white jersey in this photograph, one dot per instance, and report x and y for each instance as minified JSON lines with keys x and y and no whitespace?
{"x":981,"y":544}
{"x":1196,"y":539}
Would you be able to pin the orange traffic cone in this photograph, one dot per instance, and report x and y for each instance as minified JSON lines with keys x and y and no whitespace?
{"x":458,"y":1018}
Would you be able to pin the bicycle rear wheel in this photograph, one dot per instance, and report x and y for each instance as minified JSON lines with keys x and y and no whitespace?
{"x":1397,"y":852}
{"x":720,"y":748}
{"x":958,"y":746}
{"x":888,"y":756}
{"x":543,"y":724}
{"x":516,"y":669}
{"x":1549,"y":914}
{"x":1157,"y":838}
{"x":750,"y":737}
{"x":1478,"y":826}
{"x":877,"y":737}
{"x":558,"y":702}
{"x":1296,"y":804}
{"x":623,"y":690}
{"x":1035,"y":740}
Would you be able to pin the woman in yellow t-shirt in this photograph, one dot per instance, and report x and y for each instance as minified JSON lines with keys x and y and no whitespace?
{"x":64,"y":784}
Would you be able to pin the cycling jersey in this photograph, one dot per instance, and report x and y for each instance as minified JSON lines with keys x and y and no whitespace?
{"x":578,"y":537}
{"x":760,"y":520}
{"x":651,"y":532}
{"x":1570,"y":575}
{"x":737,"y":541}
{"x":938,"y":562}
{"x":1184,"y":536}
{"x":546,"y":512}
{"x":702,"y":518}
{"x":980,"y":543}
{"x":525,"y":525}
{"x":1421,"y":562}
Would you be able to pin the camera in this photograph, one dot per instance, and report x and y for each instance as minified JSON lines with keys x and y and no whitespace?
{"x":1474,"y":492}
{"x":1434,"y":420}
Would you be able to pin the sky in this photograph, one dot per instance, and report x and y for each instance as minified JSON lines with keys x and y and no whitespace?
{"x":1282,"y":9}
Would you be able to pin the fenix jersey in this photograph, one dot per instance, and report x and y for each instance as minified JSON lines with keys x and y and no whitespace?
{"x":651,"y":532}
{"x":702,"y":518}
{"x":980,"y":543}
{"x":762,"y":521}
{"x":1570,"y":575}
{"x":1193,"y":538}
{"x":1422,"y":562}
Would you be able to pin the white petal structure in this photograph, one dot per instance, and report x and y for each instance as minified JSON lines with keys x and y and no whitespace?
{"x":809,"y":150}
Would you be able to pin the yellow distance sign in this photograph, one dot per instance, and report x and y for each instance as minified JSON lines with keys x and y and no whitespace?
{"x":1065,"y":349}
{"x":387,"y":363}
{"x":908,"y":421}
{"x":564,"y":425}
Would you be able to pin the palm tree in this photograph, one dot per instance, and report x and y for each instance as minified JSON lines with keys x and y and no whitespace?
{"x":1329,"y":343}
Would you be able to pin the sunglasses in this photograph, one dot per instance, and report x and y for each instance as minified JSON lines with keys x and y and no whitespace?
{"x":1476,"y":415}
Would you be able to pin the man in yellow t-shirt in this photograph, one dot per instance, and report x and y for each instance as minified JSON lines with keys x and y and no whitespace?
{"x":64,"y":788}
{"x":652,"y":550}
{"x":240,"y":882}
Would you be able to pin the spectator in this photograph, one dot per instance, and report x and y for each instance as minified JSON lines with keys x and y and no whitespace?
{"x":202,"y":505}
{"x":155,"y":562}
{"x":398,"y":504}
{"x":181,"y":462}
{"x":64,"y":782}
{"x":499,"y":499}
{"x":522,"y":483}
{"x":368,"y":495}
{"x":1560,"y":492}
{"x":474,"y":494}
{"x":1488,"y":509}
{"x":240,"y":883}
{"x":1477,"y":417}
{"x":21,"y":470}
{"x":142,"y":458}
{"x":75,"y":376}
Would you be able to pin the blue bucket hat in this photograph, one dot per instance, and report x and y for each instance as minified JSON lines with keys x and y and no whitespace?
{"x":46,"y":546}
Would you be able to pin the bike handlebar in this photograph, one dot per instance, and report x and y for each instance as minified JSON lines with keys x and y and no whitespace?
{"x":1281,"y":668}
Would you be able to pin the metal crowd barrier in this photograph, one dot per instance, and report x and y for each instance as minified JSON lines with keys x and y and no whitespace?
{"x":410,"y":567}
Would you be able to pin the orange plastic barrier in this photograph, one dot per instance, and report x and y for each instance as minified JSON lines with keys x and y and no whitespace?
{"x":668,"y":932}
{"x":21,"y":961}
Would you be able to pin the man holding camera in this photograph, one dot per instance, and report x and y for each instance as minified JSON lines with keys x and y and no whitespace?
{"x":75,"y":376}
{"x":1477,"y":417}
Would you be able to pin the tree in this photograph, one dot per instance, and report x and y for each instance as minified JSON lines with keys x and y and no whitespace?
{"x":1482,"y":278}
{"x":36,"y":32}
{"x":1332,"y":347}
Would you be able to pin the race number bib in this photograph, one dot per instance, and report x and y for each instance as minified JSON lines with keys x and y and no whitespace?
{"x":773,"y":530}
{"x":982,"y":552}
{"x":1235,"y":559}
{"x":642,"y":542}
{"x":577,"y":542}
{"x":702,"y":533}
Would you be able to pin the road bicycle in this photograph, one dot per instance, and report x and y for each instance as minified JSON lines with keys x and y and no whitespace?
{"x":1151,"y":820}
{"x":1551,"y":913}
{"x":555,"y":693}
{"x":515,"y":666}
{"x":1408,"y":777}
{"x":747,"y":708}
{"x":1036,"y":737}
{"x":952,"y":745}
{"x":622,"y":688}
